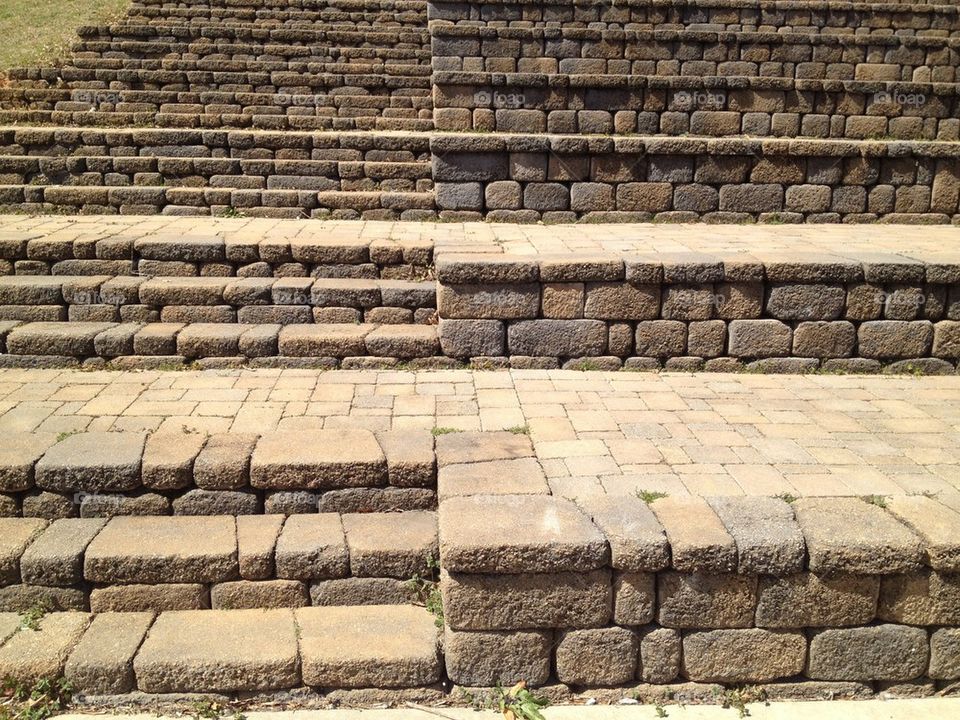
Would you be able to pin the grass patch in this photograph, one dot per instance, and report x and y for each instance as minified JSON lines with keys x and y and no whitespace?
{"x":39,"y":701}
{"x":426,"y":590}
{"x":31,"y":617}
{"x":648,"y":496}
{"x":879,"y":500}
{"x":438,"y":431}
{"x":40,"y":32}
{"x":519,"y":430}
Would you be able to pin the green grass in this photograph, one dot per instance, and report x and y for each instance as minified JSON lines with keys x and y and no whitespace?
{"x":40,"y":32}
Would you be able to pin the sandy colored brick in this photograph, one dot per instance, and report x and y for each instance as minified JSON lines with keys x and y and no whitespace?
{"x":102,"y":662}
{"x":743,"y":656}
{"x":397,"y":545}
{"x":698,"y":539}
{"x":312,"y":547}
{"x":34,"y":654}
{"x":93,"y":461}
{"x":318,"y":459}
{"x":256,"y":542}
{"x":56,"y":556}
{"x":19,"y":455}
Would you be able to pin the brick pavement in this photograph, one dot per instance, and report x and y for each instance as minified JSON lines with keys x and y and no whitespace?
{"x":594,"y":432}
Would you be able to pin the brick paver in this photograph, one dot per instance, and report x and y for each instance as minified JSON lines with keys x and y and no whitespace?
{"x":594,"y":432}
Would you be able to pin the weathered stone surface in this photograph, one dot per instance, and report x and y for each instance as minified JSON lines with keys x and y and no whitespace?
{"x":597,"y":656}
{"x":224,"y":461}
{"x":219,"y":651}
{"x":759,"y":338}
{"x":557,"y":338}
{"x":410,"y":458}
{"x":168,"y":459}
{"x":403,"y":341}
{"x":634,"y":598}
{"x":19,"y":455}
{"x":491,"y":301}
{"x":944,"y":654}
{"x":926,"y":597}
{"x":794,"y":301}
{"x":475,"y":447}
{"x":56,"y":556}
{"x":33,"y":654}
{"x":296,"y":460}
{"x":323,"y":340}
{"x":367,"y":500}
{"x":483,"y":659}
{"x":472,"y":338}
{"x":256,"y":541}
{"x":621,"y":301}
{"x":74,"y":339}
{"x":822,"y":339}
{"x":249,"y":594}
{"x":395,"y":545}
{"x":637,"y":540}
{"x":768,"y":539}
{"x":894,"y":339}
{"x":522,"y":476}
{"x":180,"y":549}
{"x":102,"y":662}
{"x":477,"y":535}
{"x":748,"y":655}
{"x":852,"y":536}
{"x":312,"y":547}
{"x":50,"y":506}
{"x":698,"y":540}
{"x":362,"y":591}
{"x":880,"y":652}
{"x":699,"y":600}
{"x":93,"y":461}
{"x":149,"y":598}
{"x":811,"y":600}
{"x":216,"y":502}
{"x":381,"y":646}
{"x":21,"y":598}
{"x":660,"y":652}
{"x":529,"y":601}
{"x":15,"y":535}
{"x":937,"y":525}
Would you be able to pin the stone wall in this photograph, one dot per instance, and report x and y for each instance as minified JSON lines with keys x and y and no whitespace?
{"x":619,"y":593}
{"x":525,"y":178}
{"x":689,"y":311}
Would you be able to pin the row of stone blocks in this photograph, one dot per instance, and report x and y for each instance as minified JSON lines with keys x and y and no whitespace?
{"x":732,"y":590}
{"x":227,"y":563}
{"x":908,"y":17}
{"x":202,"y":255}
{"x":232,"y":651}
{"x":254,"y":300}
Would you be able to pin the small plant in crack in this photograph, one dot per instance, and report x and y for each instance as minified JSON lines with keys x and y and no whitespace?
{"x":738,"y":697}
{"x":39,"y":701}
{"x":648,"y":496}
{"x":31,"y":617}
{"x":879,"y":500}
{"x":788,"y":498}
{"x":519,"y":430}
{"x":209,"y":710}
{"x":438,"y":431}
{"x":518,"y":703}
{"x":425,"y":589}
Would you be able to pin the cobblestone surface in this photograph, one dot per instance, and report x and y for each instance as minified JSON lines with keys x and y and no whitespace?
{"x":594,"y":432}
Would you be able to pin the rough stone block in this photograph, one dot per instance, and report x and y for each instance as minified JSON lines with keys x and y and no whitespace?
{"x":410,"y":458}
{"x":102,"y":662}
{"x":490,"y":301}
{"x":472,"y":338}
{"x":381,"y":647}
{"x":597,"y":656}
{"x":19,"y":455}
{"x":362,"y":591}
{"x":661,"y":338}
{"x":16,"y":534}
{"x":945,"y":654}
{"x":325,"y":459}
{"x":660,"y":652}
{"x":93,"y":461}
{"x":634,"y":598}
{"x":747,"y":655}
{"x":219,"y":651}
{"x":256,"y":541}
{"x":476,"y":537}
{"x":880,"y":652}
{"x":937,"y":525}
{"x":42,"y":653}
{"x":395,"y":545}
{"x":149,"y":598}
{"x":811,"y":600}
{"x":698,"y":600}
{"x":249,"y":594}
{"x":312,"y":547}
{"x":821,"y":339}
{"x":224,"y":461}
{"x":621,"y":301}
{"x":636,"y":538}
{"x":483,"y":659}
{"x":893,"y":339}
{"x":768,"y":539}
{"x":168,"y":459}
{"x":759,"y":338}
{"x":56,"y":556}
{"x":698,"y":540}
{"x":922,"y":598}
{"x":557,"y":338}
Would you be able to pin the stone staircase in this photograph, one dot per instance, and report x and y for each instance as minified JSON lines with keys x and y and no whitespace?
{"x":278,"y":111}
{"x":683,"y":594}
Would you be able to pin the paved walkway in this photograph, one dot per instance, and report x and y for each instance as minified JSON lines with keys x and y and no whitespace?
{"x":710,"y":434}
{"x":931,"y":243}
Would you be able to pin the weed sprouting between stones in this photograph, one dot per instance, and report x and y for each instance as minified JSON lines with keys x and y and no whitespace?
{"x":738,"y":697}
{"x":648,"y":496}
{"x":438,"y":431}
{"x":519,"y":430}
{"x":879,"y":500}
{"x":39,"y":701}
{"x":788,"y":498}
{"x":207,"y":710}
{"x":426,"y":589}
{"x":518,"y":703}
{"x":31,"y":617}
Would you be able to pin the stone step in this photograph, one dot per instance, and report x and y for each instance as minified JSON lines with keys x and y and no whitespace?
{"x":141,"y":299}
{"x":227,"y":651}
{"x":342,"y":36}
{"x":280,"y":204}
{"x":227,"y":254}
{"x":222,"y":562}
{"x":108,"y":69}
{"x":202,"y":48}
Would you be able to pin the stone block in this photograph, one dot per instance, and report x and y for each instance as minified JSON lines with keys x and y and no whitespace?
{"x":850,"y":535}
{"x":16,"y":534}
{"x":75,"y":339}
{"x":811,"y":600}
{"x":634,"y":598}
{"x":56,"y":556}
{"x":699,"y":600}
{"x":795,"y":301}
{"x":759,"y":338}
{"x":256,"y":542}
{"x":249,"y":594}
{"x":312,"y":547}
{"x":945,"y":654}
{"x":33,"y":654}
{"x":489,"y":302}
{"x":688,"y":302}
{"x":484,"y":659}
{"x":636,"y":538}
{"x":472,"y":338}
{"x":323,"y":340}
{"x":699,"y":542}
{"x":219,"y":651}
{"x":822,"y":339}
{"x":410,"y":458}
{"x":201,"y":339}
{"x":922,"y":598}
{"x":362,"y":591}
{"x":767,"y":537}
{"x":880,"y":652}
{"x":527,"y":601}
{"x":660,"y":338}
{"x":396,"y":545}
{"x":403,"y":341}
{"x":92,"y":461}
{"x":660,"y":652}
{"x":597,"y":656}
{"x":563,"y":301}
{"x":475,"y":535}
{"x":743,"y":656}
{"x":168,"y":459}
{"x":937,"y":525}
{"x":149,"y":598}
{"x":181,"y":549}
{"x":102,"y":662}
{"x":224,"y":461}
{"x":557,"y":338}
{"x":318,"y":459}
{"x":381,"y":647}
{"x":620,"y":301}
{"x":894,"y":339}
{"x":216,"y":502}
{"x":157,"y":338}
{"x":19,"y":455}
{"x":739,"y":301}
